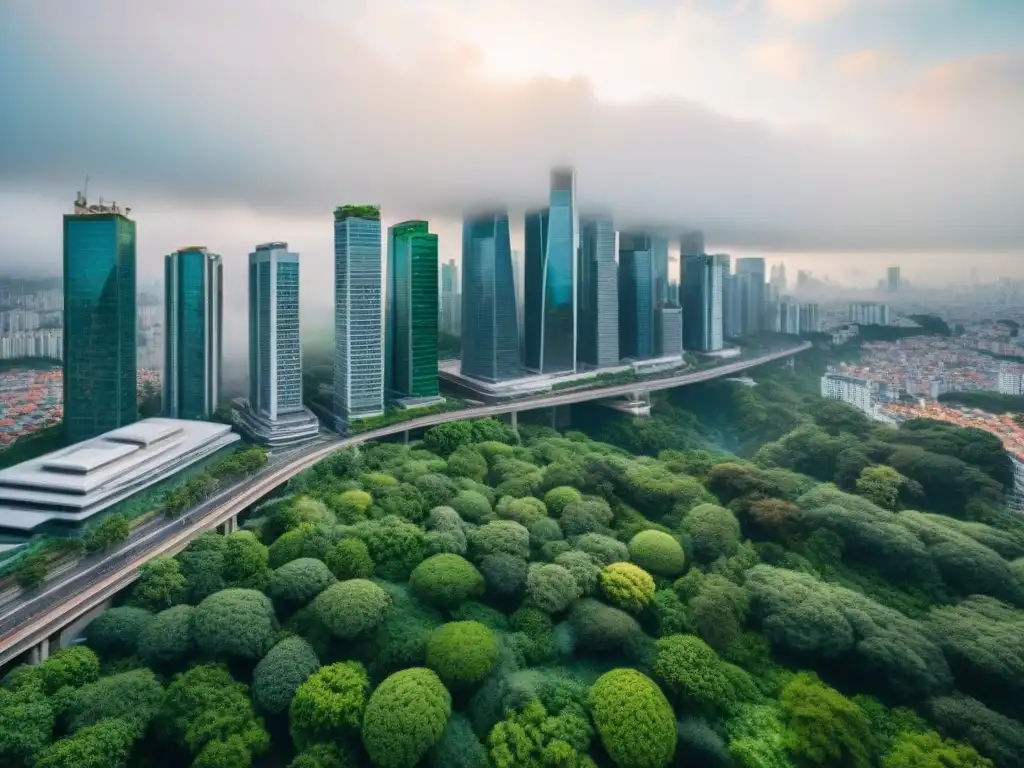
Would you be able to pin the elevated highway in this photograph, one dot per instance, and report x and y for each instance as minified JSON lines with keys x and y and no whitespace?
{"x":37,"y":618}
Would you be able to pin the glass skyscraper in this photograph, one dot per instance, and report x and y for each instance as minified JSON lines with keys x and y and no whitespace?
{"x":99,"y":321}
{"x":450,"y":302}
{"x":552,"y":253}
{"x":636,"y":296}
{"x":702,"y":296}
{"x":598,"y":293}
{"x":752,"y":294}
{"x":275,"y":354}
{"x":410,"y":365}
{"x":659,"y":251}
{"x":358,"y":362}
{"x":490,"y":327}
{"x":193,"y":310}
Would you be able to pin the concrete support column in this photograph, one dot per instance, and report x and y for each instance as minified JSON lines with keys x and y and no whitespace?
{"x":39,"y":652}
{"x":405,"y":437}
{"x":514,"y":421}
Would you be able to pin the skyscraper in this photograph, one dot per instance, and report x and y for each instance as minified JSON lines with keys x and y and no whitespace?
{"x":451,"y":303}
{"x":691,"y":243}
{"x":636,"y":296}
{"x":702,"y":302}
{"x":99,"y":321}
{"x":893,"y":279}
{"x":659,"y":251}
{"x":490,"y":327}
{"x":597,"y":294}
{"x":552,"y":253}
{"x":275,"y":414}
{"x":193,"y":311}
{"x":668,"y":331}
{"x":410,"y":363}
{"x":752,"y":294}
{"x":358,"y":362}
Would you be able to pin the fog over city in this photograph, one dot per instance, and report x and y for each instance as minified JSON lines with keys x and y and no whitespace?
{"x":814,"y":131}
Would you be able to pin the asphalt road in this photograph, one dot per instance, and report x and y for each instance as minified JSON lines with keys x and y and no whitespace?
{"x":18,"y":608}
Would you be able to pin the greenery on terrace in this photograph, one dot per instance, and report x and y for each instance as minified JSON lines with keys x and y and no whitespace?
{"x":370,"y":212}
{"x":752,"y":578}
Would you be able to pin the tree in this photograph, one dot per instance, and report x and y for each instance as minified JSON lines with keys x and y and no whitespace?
{"x":713,"y":530}
{"x":459,"y":746}
{"x":551,"y":587}
{"x":691,"y":671}
{"x":881,"y":484}
{"x":917,"y":750}
{"x":395,"y":545}
{"x":558,"y":498}
{"x":161,"y":584}
{"x":405,"y":717}
{"x":445,"y":439}
{"x":446,"y":581}
{"x":26,"y":723}
{"x":634,"y":719}
{"x":246,"y":561}
{"x":823,"y":727}
{"x":329,"y":705}
{"x":505,"y":575}
{"x":351,"y":607}
{"x":582,"y":567}
{"x":280,"y":673}
{"x":297,"y":582}
{"x":472,"y":506}
{"x":500,"y":537}
{"x":601,"y":628}
{"x":74,"y":667}
{"x":105,"y":744}
{"x":462,"y":652}
{"x":132,"y":697}
{"x":603,"y":549}
{"x":466,"y":462}
{"x":167,"y":640}
{"x":107,"y":533}
{"x":234,"y":623}
{"x":116,"y":631}
{"x":627,"y":586}
{"x":349,"y":559}
{"x":32,"y":570}
{"x":532,"y":736}
{"x":657,"y":553}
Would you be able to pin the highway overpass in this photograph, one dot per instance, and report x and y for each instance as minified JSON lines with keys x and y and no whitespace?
{"x":35,"y":618}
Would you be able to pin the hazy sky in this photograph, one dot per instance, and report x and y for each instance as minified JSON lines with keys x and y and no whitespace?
{"x":868,"y":128}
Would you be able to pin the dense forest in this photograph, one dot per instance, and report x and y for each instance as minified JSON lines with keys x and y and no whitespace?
{"x":752,"y":578}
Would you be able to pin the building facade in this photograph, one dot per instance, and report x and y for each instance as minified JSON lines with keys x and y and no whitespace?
{"x":892,"y":279}
{"x":490,"y":316}
{"x":702,"y":299}
{"x":99,"y":321}
{"x":451,"y":301}
{"x":860,"y":393}
{"x":636,"y":296}
{"x":410,"y":350}
{"x":1011,"y":379}
{"x":598,"y":294}
{"x":669,"y":326}
{"x":552,"y":239}
{"x":752,"y":294}
{"x":869,"y":313}
{"x":358,"y":358}
{"x":193,"y":312}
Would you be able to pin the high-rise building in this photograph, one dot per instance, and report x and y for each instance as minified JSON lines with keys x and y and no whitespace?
{"x":552,"y":253}
{"x":702,"y":302}
{"x":410,"y":364}
{"x":691,"y":243}
{"x":99,"y":321}
{"x":193,"y":312}
{"x":358,"y":362}
{"x":490,"y":318}
{"x":451,"y":304}
{"x":274,"y":413}
{"x":598,"y":293}
{"x":869,"y":313}
{"x":668,"y":330}
{"x":659,"y":250}
{"x":810,"y":318}
{"x":636,"y":296}
{"x":752,"y":294}
{"x":893,"y":279}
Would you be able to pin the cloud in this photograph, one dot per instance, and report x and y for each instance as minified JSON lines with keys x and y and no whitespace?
{"x":862,"y":63}
{"x":807,"y":11}
{"x":261,"y":106}
{"x":781,"y":58}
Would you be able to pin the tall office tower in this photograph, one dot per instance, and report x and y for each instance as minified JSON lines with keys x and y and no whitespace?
{"x":358,"y":362}
{"x":702,"y":302}
{"x":598,"y":294}
{"x":193,"y":311}
{"x":753,"y":294}
{"x":778,"y":280}
{"x":99,"y":320}
{"x":549,"y":278}
{"x":490,"y":327}
{"x":691,"y":243}
{"x":636,"y":297}
{"x":659,"y":249}
{"x":410,"y":352}
{"x":668,"y":330}
{"x":893,"y":279}
{"x":450,"y":303}
{"x":274,"y":413}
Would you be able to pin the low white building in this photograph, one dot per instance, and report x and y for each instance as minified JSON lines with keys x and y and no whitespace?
{"x":869,"y":313}
{"x":62,"y":489}
{"x":1011,"y":379}
{"x":862,"y":394}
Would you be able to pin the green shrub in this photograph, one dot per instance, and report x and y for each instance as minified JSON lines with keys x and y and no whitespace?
{"x":557,"y":499}
{"x":472,"y":506}
{"x":133,"y":697}
{"x":500,"y":537}
{"x":351,"y":607}
{"x":462,"y":652}
{"x":351,"y":506}
{"x":690,"y":669}
{"x":278,"y":674}
{"x":582,"y":567}
{"x":75,"y":666}
{"x":446,"y":580}
{"x":714,"y":531}
{"x":657,"y":553}
{"x":349,"y":559}
{"x":395,"y":545}
{"x":234,"y":623}
{"x":551,"y":587}
{"x":106,"y":744}
{"x":627,"y":586}
{"x":634,"y":719}
{"x":405,"y":718}
{"x":604,"y":549}
{"x":459,"y":747}
{"x":167,"y":640}
{"x":116,"y":631}
{"x":600,"y":627}
{"x":297,"y":582}
{"x":524,"y":511}
{"x":329,"y":705}
{"x":505,"y":575}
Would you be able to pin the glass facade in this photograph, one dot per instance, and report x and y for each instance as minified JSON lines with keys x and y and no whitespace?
{"x":358,"y":362}
{"x":552,"y":255}
{"x":99,"y":324}
{"x":490,"y":318}
{"x":752,"y":295}
{"x":636,"y":297}
{"x":412,"y":312}
{"x":598,"y":293}
{"x":193,"y":307}
{"x":275,"y":354}
{"x":659,"y":251}
{"x":451,"y":306}
{"x":702,"y":298}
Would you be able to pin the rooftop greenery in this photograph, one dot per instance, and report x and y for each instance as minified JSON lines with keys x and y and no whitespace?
{"x":368,"y":212}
